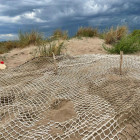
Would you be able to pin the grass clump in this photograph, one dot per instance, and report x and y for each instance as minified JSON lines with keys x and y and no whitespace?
{"x":29,"y":38}
{"x":115,"y":35}
{"x":128,"y":44}
{"x":24,"y":39}
{"x":44,"y":50}
{"x":59,"y":34}
{"x":86,"y":32}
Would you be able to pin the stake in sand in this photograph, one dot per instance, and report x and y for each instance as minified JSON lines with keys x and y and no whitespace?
{"x":121,"y":57}
{"x":55,"y":63}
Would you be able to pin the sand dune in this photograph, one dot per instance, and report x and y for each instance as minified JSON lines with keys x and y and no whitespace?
{"x":73,"y":47}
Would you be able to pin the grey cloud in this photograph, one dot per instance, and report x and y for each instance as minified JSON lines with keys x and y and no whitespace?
{"x":47,"y":15}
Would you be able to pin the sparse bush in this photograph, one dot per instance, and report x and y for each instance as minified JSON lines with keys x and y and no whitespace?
{"x":114,"y":35}
{"x":128,"y":44}
{"x":86,"y":32}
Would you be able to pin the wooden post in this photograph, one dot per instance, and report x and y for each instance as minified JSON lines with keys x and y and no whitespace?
{"x":55,"y":63}
{"x":121,"y":57}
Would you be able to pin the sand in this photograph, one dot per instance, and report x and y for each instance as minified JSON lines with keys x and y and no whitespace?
{"x":74,"y":46}
{"x":85,"y":46}
{"x":64,"y":110}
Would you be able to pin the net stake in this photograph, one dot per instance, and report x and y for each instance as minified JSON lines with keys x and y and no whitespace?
{"x":121,"y":58}
{"x":55,"y":63}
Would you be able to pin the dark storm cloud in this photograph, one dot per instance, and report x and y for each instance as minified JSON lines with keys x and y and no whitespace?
{"x":47,"y":15}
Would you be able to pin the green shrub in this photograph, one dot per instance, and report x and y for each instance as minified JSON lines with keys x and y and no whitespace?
{"x":86,"y":32}
{"x":128,"y":44}
{"x":136,"y":33}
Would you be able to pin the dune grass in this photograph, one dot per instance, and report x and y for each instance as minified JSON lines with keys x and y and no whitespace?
{"x":122,"y":41}
{"x":118,"y":37}
{"x":59,"y":34}
{"x":48,"y":50}
{"x":7,"y":46}
{"x":29,"y":38}
{"x":86,"y":32}
{"x":24,"y":39}
{"x":11,"y":44}
{"x":115,"y":34}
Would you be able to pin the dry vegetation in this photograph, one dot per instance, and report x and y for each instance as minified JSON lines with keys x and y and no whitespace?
{"x":87,"y":32}
{"x":115,"y":34}
{"x":122,"y":41}
{"x":26,"y":39}
{"x":59,"y":34}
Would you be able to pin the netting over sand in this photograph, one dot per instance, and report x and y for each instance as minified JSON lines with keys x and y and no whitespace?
{"x":88,"y":99}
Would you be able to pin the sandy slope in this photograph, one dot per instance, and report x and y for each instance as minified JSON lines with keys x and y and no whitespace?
{"x":85,"y":46}
{"x":73,"y":46}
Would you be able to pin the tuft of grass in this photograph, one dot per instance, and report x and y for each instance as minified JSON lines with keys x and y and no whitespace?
{"x":59,"y":34}
{"x":29,"y":38}
{"x":43,"y":50}
{"x":128,"y":44}
{"x":55,"y":48}
{"x":86,"y":32}
{"x":25,"y":39}
{"x":114,"y":35}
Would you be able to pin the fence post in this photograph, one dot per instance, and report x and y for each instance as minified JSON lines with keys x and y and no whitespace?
{"x":121,"y":58}
{"x":55,"y":63}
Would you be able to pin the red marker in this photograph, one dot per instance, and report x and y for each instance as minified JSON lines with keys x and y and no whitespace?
{"x":2,"y":62}
{"x":2,"y":65}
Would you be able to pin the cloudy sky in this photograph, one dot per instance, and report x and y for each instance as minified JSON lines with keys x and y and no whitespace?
{"x":47,"y":15}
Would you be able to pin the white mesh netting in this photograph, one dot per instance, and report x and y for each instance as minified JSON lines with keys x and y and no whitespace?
{"x":87,"y":100}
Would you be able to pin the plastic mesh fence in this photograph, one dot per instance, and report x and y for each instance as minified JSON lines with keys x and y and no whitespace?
{"x":87,"y":100}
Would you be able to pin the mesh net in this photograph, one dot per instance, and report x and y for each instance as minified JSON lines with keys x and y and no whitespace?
{"x":88,"y":99}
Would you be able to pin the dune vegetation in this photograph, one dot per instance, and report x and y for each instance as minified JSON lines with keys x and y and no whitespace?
{"x":118,"y":37}
{"x":122,"y":41}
